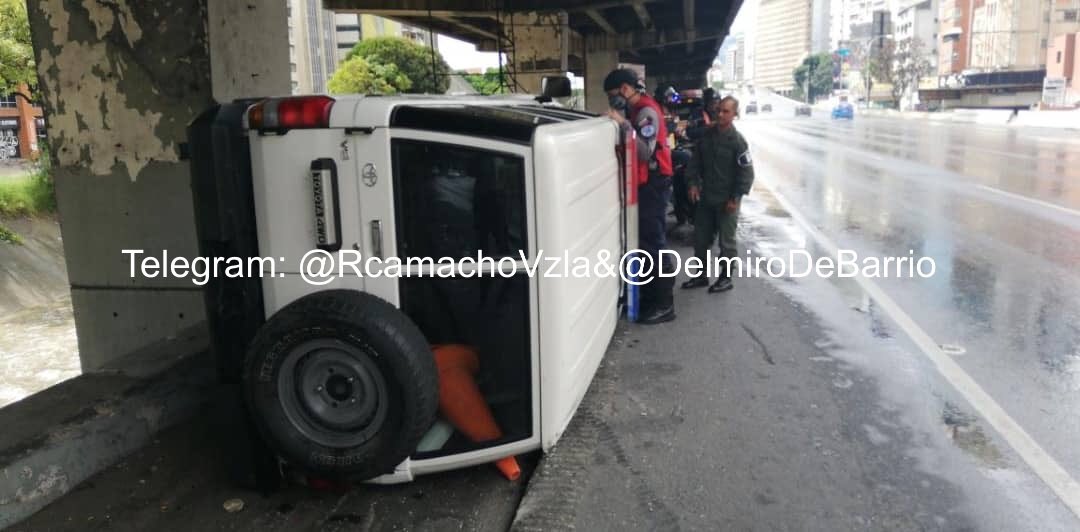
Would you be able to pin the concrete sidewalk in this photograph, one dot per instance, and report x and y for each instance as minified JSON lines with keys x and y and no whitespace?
{"x":784,"y":404}
{"x":732,"y":418}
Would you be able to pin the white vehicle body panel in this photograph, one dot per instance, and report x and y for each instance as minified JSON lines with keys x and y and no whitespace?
{"x":574,"y":209}
{"x":578,"y":210}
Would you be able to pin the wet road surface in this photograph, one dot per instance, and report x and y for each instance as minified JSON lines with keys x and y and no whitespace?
{"x":998,"y":211}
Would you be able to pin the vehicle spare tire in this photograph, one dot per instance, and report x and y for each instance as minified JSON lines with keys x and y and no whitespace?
{"x":341,"y":383}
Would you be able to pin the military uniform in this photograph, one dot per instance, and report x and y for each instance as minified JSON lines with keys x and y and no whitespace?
{"x":722,"y":170}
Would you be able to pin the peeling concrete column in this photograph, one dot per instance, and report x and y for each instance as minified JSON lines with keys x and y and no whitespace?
{"x":540,"y":46}
{"x":120,"y":81}
{"x":597,"y":65}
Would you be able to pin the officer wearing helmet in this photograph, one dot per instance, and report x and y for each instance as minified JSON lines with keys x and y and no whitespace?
{"x":632,"y":107}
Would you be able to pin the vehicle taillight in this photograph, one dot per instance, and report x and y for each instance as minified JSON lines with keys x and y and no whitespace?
{"x":301,"y":112}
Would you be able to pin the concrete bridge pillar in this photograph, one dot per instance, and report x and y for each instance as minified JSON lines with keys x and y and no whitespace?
{"x":539,"y":46}
{"x":597,"y":65}
{"x":120,"y":81}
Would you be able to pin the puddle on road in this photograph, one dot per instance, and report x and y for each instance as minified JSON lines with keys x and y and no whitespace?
{"x":38,"y":348}
{"x":965,"y":433}
{"x":776,"y":212}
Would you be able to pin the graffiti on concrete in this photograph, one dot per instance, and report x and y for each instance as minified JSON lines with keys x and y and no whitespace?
{"x":9,"y":145}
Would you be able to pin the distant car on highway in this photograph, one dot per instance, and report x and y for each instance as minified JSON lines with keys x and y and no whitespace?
{"x":751,"y":108}
{"x":843,"y":110}
{"x":767,"y":108}
{"x":802,"y":109}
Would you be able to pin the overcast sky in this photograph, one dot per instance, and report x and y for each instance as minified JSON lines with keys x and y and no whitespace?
{"x":744,"y":21}
{"x":461,"y":55}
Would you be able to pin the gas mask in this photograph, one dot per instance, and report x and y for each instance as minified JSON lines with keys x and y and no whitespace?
{"x":617,"y":102}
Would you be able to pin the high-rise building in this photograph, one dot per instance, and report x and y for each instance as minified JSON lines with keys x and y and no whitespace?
{"x":851,"y":20}
{"x":821,"y":26}
{"x":353,"y":27}
{"x":917,"y":19}
{"x":954,"y":29}
{"x":731,"y":58}
{"x":739,"y":58}
{"x":312,"y":46}
{"x":1063,"y":66}
{"x":916,"y":22}
{"x":783,"y":40}
{"x":320,"y":39}
{"x":999,"y":35}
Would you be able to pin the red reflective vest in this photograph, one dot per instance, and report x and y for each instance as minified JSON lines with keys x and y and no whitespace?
{"x":662,"y":154}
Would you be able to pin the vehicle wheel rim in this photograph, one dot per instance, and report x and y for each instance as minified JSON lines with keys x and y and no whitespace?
{"x":333,"y":392}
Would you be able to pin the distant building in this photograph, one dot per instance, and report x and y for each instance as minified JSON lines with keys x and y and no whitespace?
{"x":732,"y":60}
{"x":917,"y":21}
{"x":954,"y":29}
{"x":1063,"y":65}
{"x":1000,"y":35}
{"x":783,"y":40}
{"x":320,"y":39}
{"x":22,"y":126}
{"x":820,"y":26}
{"x":850,"y":20}
{"x":353,"y":27}
{"x":312,"y":46}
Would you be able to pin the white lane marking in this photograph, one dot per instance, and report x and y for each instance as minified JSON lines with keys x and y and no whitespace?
{"x":1042,"y":203}
{"x":1044,"y":465}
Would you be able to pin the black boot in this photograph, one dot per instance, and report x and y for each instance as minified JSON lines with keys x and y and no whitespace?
{"x":696,"y":282}
{"x":722,"y":284}
{"x":659,"y":315}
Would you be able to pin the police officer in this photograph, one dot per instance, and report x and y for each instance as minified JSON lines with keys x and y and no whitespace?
{"x":632,"y":107}
{"x":719,"y":175}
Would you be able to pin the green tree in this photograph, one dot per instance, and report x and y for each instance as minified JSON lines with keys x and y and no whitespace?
{"x":412,"y":60}
{"x":487,"y":83}
{"x":901,"y":64}
{"x":16,"y":51}
{"x":358,"y":76}
{"x":817,"y":69}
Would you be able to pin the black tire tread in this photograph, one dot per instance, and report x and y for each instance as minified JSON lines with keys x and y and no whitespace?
{"x":374,"y":317}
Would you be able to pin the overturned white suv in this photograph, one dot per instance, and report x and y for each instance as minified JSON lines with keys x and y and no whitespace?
{"x":369,"y":376}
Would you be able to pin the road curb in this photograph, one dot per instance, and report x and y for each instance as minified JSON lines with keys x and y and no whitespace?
{"x":61,"y":436}
{"x":555,"y":488}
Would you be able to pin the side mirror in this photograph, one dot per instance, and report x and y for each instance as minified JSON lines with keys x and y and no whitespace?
{"x":555,"y":87}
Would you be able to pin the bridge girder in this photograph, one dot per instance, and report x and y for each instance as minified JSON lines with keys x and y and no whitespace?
{"x":676,"y":40}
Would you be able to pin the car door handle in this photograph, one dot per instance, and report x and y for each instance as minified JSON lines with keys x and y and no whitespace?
{"x":324,"y":187}
{"x":376,"y":238}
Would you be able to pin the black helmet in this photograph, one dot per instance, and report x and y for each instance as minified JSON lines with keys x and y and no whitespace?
{"x":620,"y":76}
